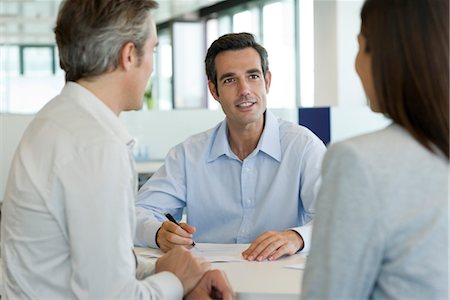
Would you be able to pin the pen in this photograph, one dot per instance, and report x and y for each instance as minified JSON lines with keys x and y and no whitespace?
{"x":171,"y":219}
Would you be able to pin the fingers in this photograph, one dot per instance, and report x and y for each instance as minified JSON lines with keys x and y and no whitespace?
{"x":261,"y":249}
{"x":184,"y":265}
{"x":188,"y":228}
{"x":214,"y":284}
{"x":171,"y":235}
{"x":272,"y":245}
{"x":221,"y":287}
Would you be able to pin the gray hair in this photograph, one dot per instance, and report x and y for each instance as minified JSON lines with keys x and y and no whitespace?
{"x":90,"y":34}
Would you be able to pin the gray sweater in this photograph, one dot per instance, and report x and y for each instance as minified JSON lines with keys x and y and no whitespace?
{"x":381,"y":229}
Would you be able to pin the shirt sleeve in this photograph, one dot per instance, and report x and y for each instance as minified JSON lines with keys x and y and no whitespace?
{"x":305,"y":232}
{"x":164,"y":192}
{"x":347,"y":240}
{"x":165,"y":281}
{"x":309,"y":187}
{"x":98,"y":186}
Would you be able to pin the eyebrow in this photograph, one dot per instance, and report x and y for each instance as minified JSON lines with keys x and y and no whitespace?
{"x":252,"y":71}
{"x":231,"y":74}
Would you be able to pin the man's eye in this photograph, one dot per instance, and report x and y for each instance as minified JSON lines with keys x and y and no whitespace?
{"x":254,"y":76}
{"x":228,"y":80}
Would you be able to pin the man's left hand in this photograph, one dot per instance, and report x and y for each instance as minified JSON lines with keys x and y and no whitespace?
{"x":271,"y":245}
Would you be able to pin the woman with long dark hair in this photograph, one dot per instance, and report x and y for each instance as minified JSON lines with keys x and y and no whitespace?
{"x":381,"y":229}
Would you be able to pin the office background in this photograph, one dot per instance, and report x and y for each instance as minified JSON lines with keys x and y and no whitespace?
{"x":311,"y":44}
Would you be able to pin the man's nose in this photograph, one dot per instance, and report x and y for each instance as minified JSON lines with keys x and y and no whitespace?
{"x":244,"y":88}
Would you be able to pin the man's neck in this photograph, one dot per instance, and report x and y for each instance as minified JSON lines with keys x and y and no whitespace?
{"x":106,"y":92}
{"x":244,"y":140}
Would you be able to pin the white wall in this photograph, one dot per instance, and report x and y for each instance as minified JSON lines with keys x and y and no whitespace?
{"x":325,"y":53}
{"x":349,"y":121}
{"x":155,"y":131}
{"x":350,"y":90}
{"x":336,"y":26}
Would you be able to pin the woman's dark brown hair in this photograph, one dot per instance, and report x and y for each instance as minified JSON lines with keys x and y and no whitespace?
{"x":409,"y":44}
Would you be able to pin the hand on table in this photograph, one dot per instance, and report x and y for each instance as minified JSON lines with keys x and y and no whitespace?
{"x":271,"y":245}
{"x":171,"y":235}
{"x":184,"y":265}
{"x":213,"y":285}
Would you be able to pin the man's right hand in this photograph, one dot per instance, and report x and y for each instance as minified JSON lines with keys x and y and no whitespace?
{"x":213,"y":285}
{"x":184,"y":265}
{"x":171,"y":235}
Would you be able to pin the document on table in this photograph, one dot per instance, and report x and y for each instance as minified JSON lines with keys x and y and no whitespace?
{"x":300,"y":265}
{"x":210,"y":252}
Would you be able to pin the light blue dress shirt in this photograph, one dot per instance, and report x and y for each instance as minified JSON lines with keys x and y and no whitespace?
{"x":234,"y":201}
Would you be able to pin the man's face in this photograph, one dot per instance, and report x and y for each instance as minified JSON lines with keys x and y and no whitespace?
{"x":144,"y":69}
{"x":241,"y":87}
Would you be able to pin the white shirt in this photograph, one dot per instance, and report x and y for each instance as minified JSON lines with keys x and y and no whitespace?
{"x":68,"y":211}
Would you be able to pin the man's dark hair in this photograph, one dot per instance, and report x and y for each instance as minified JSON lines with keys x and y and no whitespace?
{"x":233,"y":41}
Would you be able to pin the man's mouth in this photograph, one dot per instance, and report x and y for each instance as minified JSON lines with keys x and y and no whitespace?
{"x":245,"y":104}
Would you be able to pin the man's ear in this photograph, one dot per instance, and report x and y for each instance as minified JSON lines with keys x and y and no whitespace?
{"x":127,"y":56}
{"x":268,"y":80}
{"x":213,"y":90}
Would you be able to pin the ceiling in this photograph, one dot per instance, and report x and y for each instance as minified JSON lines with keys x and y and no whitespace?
{"x":32,"y":21}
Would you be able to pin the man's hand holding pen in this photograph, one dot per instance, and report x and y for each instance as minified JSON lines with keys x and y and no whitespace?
{"x":172,"y":234}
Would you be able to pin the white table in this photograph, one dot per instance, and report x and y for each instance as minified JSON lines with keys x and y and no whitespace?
{"x":250,"y":279}
{"x":265,"y":280}
{"x":148,"y":166}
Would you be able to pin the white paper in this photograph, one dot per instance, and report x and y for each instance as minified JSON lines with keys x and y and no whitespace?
{"x":209,"y":252}
{"x":300,"y":266}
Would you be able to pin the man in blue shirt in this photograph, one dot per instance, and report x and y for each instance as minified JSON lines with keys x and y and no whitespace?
{"x":251,"y":179}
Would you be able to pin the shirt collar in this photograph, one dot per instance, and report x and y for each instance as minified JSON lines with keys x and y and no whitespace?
{"x":95,"y":107}
{"x":269,"y":141}
{"x":220,"y":144}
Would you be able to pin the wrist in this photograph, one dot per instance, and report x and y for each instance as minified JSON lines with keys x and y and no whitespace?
{"x":156,"y":237}
{"x":301,"y":241}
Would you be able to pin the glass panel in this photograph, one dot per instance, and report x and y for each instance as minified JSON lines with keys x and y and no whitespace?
{"x":224,"y":25}
{"x":247,"y":21}
{"x":212,"y":33}
{"x":162,"y":78}
{"x":29,"y":92}
{"x":278,"y":33}
{"x":189,"y":78}
{"x":306,"y":37}
{"x":9,"y":68}
{"x":37,"y":60}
